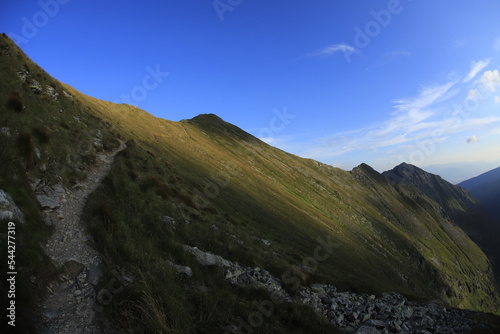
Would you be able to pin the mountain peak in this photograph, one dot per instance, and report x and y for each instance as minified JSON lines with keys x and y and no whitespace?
{"x":214,"y":124}
{"x":404,"y":172}
{"x":207,"y":118}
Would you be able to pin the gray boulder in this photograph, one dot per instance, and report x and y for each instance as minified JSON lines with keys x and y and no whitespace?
{"x":9,"y":210}
{"x":50,"y":197}
{"x":207,"y":259}
{"x":181,"y":269}
{"x":94,"y":274}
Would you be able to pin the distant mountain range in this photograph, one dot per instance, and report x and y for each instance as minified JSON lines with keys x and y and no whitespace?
{"x":486,"y":188}
{"x":457,"y":172}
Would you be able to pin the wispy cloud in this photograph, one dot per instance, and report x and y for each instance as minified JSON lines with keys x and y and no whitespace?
{"x":472,"y":94}
{"x":412,"y":121}
{"x":476,"y":67}
{"x":472,"y":139}
{"x":334,"y":48}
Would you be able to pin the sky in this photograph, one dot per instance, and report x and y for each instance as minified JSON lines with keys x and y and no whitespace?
{"x":342,"y":82}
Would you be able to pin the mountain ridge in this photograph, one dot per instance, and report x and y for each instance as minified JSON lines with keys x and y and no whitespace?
{"x":457,"y":203}
{"x":486,"y":188}
{"x":486,"y":177}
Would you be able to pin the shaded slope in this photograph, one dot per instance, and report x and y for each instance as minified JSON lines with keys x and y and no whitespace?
{"x":486,"y":189}
{"x":456,"y":203}
{"x":487,"y":177}
{"x":292,"y":201}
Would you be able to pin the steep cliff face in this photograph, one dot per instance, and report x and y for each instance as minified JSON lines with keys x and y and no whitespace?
{"x":206,"y":183}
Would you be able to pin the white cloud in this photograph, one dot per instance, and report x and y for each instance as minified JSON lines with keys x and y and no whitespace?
{"x":497,"y":99}
{"x":334,"y":48}
{"x":472,"y":95}
{"x":475,"y":68}
{"x":472,"y":139}
{"x":489,"y":81}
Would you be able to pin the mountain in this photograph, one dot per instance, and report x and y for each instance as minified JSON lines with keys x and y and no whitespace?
{"x":197,"y":226}
{"x":486,"y":188}
{"x":457,"y":204}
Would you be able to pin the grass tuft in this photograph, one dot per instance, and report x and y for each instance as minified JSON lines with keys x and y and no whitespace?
{"x":42,"y":134}
{"x":14,"y":103}
{"x":107,"y":217}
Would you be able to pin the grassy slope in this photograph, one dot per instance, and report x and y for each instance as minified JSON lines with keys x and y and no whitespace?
{"x":292,"y":201}
{"x":215,"y":174}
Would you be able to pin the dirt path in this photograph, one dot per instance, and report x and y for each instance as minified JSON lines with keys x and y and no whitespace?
{"x":69,"y":306}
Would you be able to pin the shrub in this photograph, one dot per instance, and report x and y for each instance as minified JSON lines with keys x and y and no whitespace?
{"x":15,"y":103}
{"x":42,"y":134}
{"x":104,"y":213}
{"x":151,"y":182}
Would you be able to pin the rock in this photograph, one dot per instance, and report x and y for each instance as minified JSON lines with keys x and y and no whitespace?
{"x":94,"y":274}
{"x":52,"y":92}
{"x":181,"y":269}
{"x":168,"y":220}
{"x":352,"y":316}
{"x":97,"y":143}
{"x":72,"y":269}
{"x":233,"y":272}
{"x":339,"y":320}
{"x":38,"y":154}
{"x":375,"y":323}
{"x":207,"y":259}
{"x":367,"y":330}
{"x":47,"y":202}
{"x":68,"y":95}
{"x":318,"y":287}
{"x":50,"y":197}
{"x":35,"y":86}
{"x":9,"y":211}
{"x":266,"y":242}
{"x":404,"y":312}
{"x":5,"y":131}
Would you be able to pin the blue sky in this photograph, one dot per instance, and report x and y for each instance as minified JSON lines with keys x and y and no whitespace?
{"x":342,"y":82}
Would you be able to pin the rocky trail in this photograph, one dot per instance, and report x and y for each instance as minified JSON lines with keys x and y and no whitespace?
{"x":68,"y":307}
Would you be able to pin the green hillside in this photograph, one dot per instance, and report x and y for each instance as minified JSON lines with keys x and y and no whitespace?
{"x":227,"y":192}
